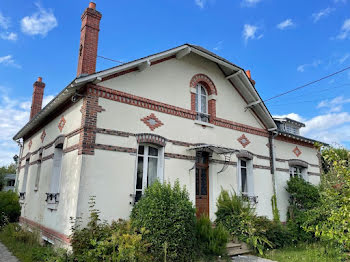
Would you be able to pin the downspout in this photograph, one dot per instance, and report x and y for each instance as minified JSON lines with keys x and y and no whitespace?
{"x":18,"y":165}
{"x":272,"y":135}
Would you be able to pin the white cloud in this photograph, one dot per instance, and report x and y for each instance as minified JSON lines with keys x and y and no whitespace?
{"x":322,"y":13}
{"x":302,"y":68}
{"x":345,"y":30}
{"x":250,"y":32}
{"x":8,"y":61}
{"x":14,"y":114}
{"x":218,"y":46}
{"x":4,"y":22}
{"x":335,"y":104}
{"x":343,"y":58}
{"x":285,"y":24}
{"x":200,"y":3}
{"x":250,"y":3}
{"x":9,"y":36}
{"x":39,"y":23}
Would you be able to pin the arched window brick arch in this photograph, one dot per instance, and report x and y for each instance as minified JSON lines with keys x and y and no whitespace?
{"x":208,"y":84}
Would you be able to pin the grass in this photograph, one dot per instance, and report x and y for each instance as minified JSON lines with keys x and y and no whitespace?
{"x":303,"y":253}
{"x":24,"y":246}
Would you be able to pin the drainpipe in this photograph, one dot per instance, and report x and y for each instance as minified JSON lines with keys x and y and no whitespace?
{"x":272,"y":135}
{"x":20,"y":144}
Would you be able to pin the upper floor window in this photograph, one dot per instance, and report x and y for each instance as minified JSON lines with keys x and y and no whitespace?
{"x":149,"y":167}
{"x":56,"y":170}
{"x":296,"y":171}
{"x":202,"y":103}
{"x":38,"y":171}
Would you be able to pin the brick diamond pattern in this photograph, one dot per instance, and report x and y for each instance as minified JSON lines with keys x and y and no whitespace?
{"x":152,"y":121}
{"x":42,"y":137}
{"x":30,"y":144}
{"x":62,"y":123}
{"x":297,"y":151}
{"x":243,"y":140}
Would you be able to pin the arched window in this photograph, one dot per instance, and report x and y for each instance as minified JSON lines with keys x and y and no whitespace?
{"x":149,"y":167}
{"x":202,"y":103}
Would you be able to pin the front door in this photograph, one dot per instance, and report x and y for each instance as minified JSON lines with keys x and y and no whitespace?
{"x":202,"y":183}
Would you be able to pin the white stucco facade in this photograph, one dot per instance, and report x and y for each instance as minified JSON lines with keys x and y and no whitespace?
{"x":108,"y":172}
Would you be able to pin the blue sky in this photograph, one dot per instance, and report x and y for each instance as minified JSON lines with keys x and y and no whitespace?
{"x":284,"y":43}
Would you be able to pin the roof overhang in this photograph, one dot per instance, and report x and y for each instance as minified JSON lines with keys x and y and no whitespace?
{"x":233,"y":73}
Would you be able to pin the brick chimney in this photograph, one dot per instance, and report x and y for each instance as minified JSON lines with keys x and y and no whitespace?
{"x":90,"y":27}
{"x":37,"y":100}
{"x":250,"y":77}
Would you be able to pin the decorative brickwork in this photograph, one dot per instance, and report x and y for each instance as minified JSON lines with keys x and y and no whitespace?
{"x":297,"y":151}
{"x":30,"y":144}
{"x":294,"y":141}
{"x":243,"y":140}
{"x":152,"y":121}
{"x":62,"y":123}
{"x":43,"y":135}
{"x":151,"y":138}
{"x":206,"y":81}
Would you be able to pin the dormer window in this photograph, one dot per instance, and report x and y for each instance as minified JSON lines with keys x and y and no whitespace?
{"x":202,"y":103}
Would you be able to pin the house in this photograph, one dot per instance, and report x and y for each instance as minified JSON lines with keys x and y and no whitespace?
{"x":183,"y":114}
{"x":9,"y":184}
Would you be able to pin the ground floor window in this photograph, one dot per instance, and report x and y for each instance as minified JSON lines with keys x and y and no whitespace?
{"x":245,"y":177}
{"x":149,"y":167}
{"x":296,"y":171}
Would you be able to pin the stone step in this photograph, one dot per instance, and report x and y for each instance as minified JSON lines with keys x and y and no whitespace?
{"x":231,"y":244}
{"x":238,"y":251}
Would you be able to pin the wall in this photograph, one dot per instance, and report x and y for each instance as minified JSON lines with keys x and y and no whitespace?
{"x":35,"y":208}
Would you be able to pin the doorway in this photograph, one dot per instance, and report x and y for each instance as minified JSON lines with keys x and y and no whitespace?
{"x":202,"y":183}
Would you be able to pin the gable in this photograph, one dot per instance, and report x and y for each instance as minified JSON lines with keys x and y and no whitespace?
{"x":169,"y":82}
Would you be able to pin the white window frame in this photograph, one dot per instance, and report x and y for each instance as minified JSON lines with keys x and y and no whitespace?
{"x":160,"y":165}
{"x":56,"y":169}
{"x":250,"y":177}
{"x":199,"y":109}
{"x":302,"y":172}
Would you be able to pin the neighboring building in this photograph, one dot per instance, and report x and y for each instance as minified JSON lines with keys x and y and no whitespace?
{"x":10,"y":180}
{"x":183,"y":114}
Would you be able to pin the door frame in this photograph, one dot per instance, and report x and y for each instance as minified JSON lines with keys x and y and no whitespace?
{"x":201,"y":166}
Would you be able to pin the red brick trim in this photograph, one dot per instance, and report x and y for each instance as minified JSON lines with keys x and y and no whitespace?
{"x":152,"y":125}
{"x":47,"y":157}
{"x":61,"y":123}
{"x":151,"y":138}
{"x":313,"y":174}
{"x":206,"y":81}
{"x":71,"y":148}
{"x":115,"y":148}
{"x":113,"y":132}
{"x":294,"y":141}
{"x":241,"y":127}
{"x":282,"y":169}
{"x":243,"y":140}
{"x":179,"y":156}
{"x":48,"y":232}
{"x":297,"y":151}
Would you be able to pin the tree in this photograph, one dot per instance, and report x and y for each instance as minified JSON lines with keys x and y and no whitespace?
{"x":10,"y":169}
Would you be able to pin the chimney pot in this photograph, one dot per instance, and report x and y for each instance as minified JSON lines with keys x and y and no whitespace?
{"x":248,"y":74}
{"x":40,"y":79}
{"x":92,"y":5}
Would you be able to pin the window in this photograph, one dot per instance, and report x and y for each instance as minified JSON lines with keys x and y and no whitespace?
{"x":37,"y":178}
{"x":24,"y":183}
{"x":245,"y":177}
{"x":202,"y":103}
{"x":296,"y":171}
{"x":149,"y":167}
{"x":56,"y":172}
{"x":11,"y":182}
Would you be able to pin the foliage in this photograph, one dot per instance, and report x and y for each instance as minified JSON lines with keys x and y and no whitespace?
{"x":10,"y":209}
{"x":99,"y":241}
{"x":211,"y":240}
{"x":306,"y":253}
{"x":303,"y":197}
{"x":238,"y":217}
{"x":275,"y":212}
{"x":10,"y":169}
{"x":167,"y":213}
{"x":331,"y":220}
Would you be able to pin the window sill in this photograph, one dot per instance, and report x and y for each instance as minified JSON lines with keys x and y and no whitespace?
{"x":203,"y":123}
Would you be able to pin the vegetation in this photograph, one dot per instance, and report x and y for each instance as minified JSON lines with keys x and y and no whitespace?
{"x":10,"y":209}
{"x":10,"y":169}
{"x":303,"y":197}
{"x":168,"y":215}
{"x":211,"y":240}
{"x":330,"y":220}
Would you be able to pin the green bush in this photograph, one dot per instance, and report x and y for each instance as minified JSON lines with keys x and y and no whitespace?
{"x":238,"y":217}
{"x":168,"y":214}
{"x":100,"y":241}
{"x":303,"y":197}
{"x":211,"y":240}
{"x":10,"y":209}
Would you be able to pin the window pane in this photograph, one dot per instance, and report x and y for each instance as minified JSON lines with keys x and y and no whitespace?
{"x":204,"y":104}
{"x":244,"y":180}
{"x":203,"y":91}
{"x":197,"y":181}
{"x":141,"y":150}
{"x":243,"y":163}
{"x":203,"y":182}
{"x":153,"y":151}
{"x":152,"y":170}
{"x":138,"y":195}
{"x":139,"y":173}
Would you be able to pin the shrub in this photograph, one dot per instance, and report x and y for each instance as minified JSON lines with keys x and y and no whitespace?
{"x":211,"y":241}
{"x":10,"y":209}
{"x":303,"y":197}
{"x":167,"y":213}
{"x":100,"y":241}
{"x":238,"y":217}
